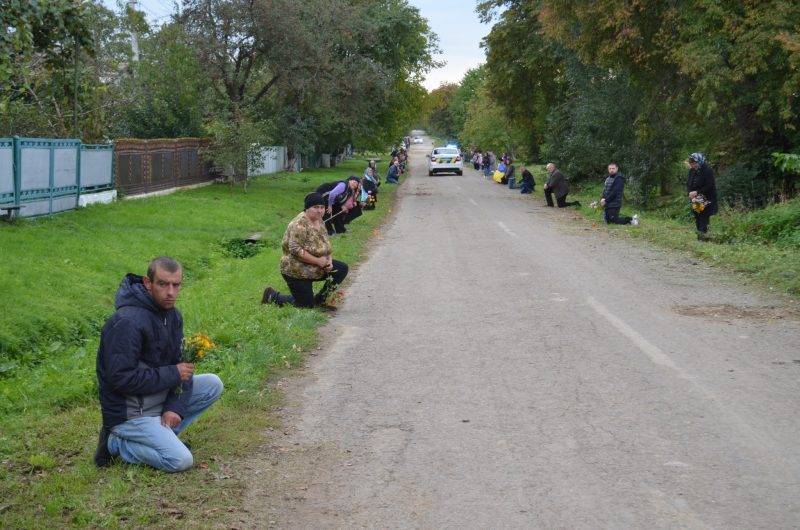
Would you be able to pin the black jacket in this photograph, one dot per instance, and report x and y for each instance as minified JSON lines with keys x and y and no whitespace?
{"x":612,"y":190}
{"x":558,"y":184}
{"x":326,"y":189}
{"x":527,"y":178}
{"x":702,"y":181}
{"x":140,"y":347}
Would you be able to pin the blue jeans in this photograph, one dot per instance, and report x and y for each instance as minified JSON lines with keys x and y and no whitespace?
{"x":145,"y":441}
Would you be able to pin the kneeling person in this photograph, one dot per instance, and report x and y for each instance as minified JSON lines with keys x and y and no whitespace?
{"x":307,"y":258}
{"x":148,"y":395}
{"x":611,"y":199}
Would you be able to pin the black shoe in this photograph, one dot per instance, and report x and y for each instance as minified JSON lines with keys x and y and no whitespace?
{"x":102,"y":457}
{"x":270,"y":296}
{"x":327,"y":308}
{"x":576,"y":203}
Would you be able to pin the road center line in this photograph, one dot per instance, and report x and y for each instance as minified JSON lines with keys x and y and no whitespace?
{"x":648,"y":348}
{"x":473,"y":201}
{"x":507,"y":230}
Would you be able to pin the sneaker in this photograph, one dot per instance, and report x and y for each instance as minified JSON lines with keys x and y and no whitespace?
{"x":102,"y":456}
{"x":270,"y":296}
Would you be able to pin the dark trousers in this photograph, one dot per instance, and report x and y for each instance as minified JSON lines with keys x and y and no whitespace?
{"x":613,"y":218}
{"x":303,"y":290}
{"x":335,"y":223}
{"x":560,"y":201}
{"x":526,"y":186}
{"x":354,"y":213}
{"x":701,"y":219}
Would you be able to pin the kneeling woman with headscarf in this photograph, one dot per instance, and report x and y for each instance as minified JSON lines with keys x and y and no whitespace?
{"x":307,"y":258}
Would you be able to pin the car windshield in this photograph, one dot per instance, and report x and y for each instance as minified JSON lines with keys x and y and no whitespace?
{"x":445,"y":151}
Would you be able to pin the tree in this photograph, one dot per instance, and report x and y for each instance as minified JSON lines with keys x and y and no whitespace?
{"x":458,"y":109}
{"x":439,"y":120}
{"x":487,"y":126}
{"x":168,"y":89}
{"x":53,"y":57}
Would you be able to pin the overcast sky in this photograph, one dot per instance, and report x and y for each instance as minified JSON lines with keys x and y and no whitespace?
{"x":454,"y":21}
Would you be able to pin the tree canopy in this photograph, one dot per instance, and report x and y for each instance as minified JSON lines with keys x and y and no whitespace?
{"x":314,"y":75}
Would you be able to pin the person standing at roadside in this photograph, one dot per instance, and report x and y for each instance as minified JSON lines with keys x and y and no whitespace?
{"x":557,"y":184}
{"x":702,"y":190}
{"x":611,"y":200}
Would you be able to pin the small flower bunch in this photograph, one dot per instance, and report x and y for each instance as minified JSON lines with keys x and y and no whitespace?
{"x":196,"y":347}
{"x":699,"y":203}
{"x":593,"y":205}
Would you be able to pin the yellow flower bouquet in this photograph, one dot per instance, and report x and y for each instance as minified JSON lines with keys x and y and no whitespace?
{"x":196,"y":347}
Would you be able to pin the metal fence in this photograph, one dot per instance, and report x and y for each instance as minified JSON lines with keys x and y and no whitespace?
{"x":144,"y":166}
{"x":45,"y":175}
{"x":273,"y":160}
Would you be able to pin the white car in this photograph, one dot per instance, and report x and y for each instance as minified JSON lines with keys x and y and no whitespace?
{"x":417,"y":140}
{"x":445,"y":160}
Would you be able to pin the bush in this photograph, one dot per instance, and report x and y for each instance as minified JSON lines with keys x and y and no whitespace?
{"x":740,"y":185}
{"x":778,"y":224}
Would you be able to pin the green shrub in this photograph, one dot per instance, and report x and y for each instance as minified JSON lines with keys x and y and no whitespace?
{"x":778,"y":224}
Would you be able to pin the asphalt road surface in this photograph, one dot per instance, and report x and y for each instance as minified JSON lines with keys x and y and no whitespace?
{"x":497,"y":364}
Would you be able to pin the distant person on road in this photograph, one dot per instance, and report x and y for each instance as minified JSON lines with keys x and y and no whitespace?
{"x":393,"y":176}
{"x":307,"y":258}
{"x":702,"y":189}
{"x":510,"y":173}
{"x":486,"y":165}
{"x":557,"y":184}
{"x":528,"y":184}
{"x":148,"y":393}
{"x":611,"y":200}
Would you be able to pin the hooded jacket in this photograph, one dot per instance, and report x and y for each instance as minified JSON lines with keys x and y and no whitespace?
{"x":140,"y":346}
{"x":612,"y":190}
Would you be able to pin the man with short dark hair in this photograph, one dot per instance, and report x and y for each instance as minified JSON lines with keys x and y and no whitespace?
{"x":611,"y":200}
{"x":148,"y":394}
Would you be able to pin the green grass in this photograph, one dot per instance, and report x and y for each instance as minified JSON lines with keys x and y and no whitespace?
{"x":58,"y":277}
{"x":763,"y":244}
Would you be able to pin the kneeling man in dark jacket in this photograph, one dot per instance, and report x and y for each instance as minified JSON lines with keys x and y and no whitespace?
{"x":612,"y":196}
{"x":148,"y":394}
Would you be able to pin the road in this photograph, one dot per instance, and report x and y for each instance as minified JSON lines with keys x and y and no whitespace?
{"x":497,"y":364}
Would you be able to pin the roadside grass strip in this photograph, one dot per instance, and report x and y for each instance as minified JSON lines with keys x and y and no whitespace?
{"x":58,"y":277}
{"x":743,"y":242}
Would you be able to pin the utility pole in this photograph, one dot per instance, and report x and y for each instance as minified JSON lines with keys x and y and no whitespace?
{"x":134,"y":38}
{"x":75,"y":90}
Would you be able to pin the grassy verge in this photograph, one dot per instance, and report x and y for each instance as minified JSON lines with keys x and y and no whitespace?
{"x":58,"y":277}
{"x":764,"y":245}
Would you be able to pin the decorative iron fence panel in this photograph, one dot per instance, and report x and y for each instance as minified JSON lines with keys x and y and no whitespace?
{"x":144,"y":166}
